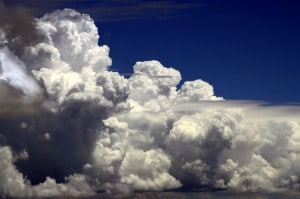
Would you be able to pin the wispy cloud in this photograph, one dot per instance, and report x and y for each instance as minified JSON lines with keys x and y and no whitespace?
{"x":117,"y":10}
{"x":138,"y":10}
{"x":255,"y":110}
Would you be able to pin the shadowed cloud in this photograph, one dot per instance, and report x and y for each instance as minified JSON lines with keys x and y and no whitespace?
{"x":97,"y":131}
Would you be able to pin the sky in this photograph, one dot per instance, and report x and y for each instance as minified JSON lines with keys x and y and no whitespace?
{"x":176,"y":97}
{"x":245,"y":49}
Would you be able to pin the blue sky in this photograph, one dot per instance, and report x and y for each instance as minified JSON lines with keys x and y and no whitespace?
{"x":248,"y":50}
{"x":245,"y":49}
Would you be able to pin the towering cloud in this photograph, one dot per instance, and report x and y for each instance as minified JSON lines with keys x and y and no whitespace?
{"x":71,"y":127}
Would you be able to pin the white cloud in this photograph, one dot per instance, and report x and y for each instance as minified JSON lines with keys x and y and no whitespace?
{"x":139,"y":133}
{"x":147,"y":170}
{"x":13,"y":73}
{"x":12,"y":182}
{"x":194,"y":91}
{"x":76,"y":185}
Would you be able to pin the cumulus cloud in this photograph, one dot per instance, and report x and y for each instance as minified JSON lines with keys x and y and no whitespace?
{"x":151,"y":172}
{"x":153,"y":86}
{"x":13,"y":73}
{"x":194,"y":91}
{"x":20,"y":91}
{"x":85,"y":129}
{"x":14,"y":184}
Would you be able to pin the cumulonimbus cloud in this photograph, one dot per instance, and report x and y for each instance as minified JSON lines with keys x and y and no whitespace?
{"x":94,"y":130}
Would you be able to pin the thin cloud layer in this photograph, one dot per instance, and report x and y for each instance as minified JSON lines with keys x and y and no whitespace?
{"x":110,"y":11}
{"x":95,"y":130}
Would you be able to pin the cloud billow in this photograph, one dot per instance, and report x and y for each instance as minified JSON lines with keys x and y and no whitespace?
{"x":82,"y":128}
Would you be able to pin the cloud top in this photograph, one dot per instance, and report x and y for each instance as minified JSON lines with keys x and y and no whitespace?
{"x":95,"y":130}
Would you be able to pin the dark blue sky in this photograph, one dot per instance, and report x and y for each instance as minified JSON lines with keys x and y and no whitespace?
{"x":245,"y":49}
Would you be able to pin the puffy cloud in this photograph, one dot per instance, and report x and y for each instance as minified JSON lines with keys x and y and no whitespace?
{"x":151,"y":172}
{"x":14,"y":74}
{"x":81,"y":89}
{"x":20,"y":91}
{"x":76,"y":185}
{"x":126,"y":139}
{"x":70,"y":62}
{"x":164,"y":77}
{"x":94,"y":130}
{"x":196,"y":143}
{"x":12,"y":182}
{"x":74,"y":38}
{"x":198,"y":90}
{"x":153,"y":86}
{"x":258,"y":175}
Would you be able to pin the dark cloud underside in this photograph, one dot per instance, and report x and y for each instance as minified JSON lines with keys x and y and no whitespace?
{"x":71,"y":127}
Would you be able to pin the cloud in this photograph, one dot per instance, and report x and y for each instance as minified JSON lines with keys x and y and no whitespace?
{"x":14,"y":184}
{"x":80,"y":94}
{"x":109,"y":11}
{"x":94,"y":130}
{"x":12,"y":181}
{"x":150,"y":174}
{"x":14,"y":73}
{"x":138,"y":9}
{"x":20,"y":91}
{"x":255,"y":110}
